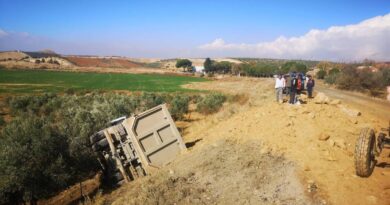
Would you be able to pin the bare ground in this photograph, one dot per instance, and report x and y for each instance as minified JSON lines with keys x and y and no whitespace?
{"x":262,"y":152}
{"x":374,"y":107}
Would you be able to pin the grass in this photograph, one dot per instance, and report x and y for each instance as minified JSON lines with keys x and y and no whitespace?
{"x":28,"y":81}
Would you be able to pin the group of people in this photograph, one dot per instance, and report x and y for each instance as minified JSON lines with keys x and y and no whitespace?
{"x":293,"y":87}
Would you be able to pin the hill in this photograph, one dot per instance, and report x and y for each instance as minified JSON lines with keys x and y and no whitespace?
{"x":105,"y":62}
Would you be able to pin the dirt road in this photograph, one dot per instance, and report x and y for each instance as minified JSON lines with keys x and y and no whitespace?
{"x":374,"y":107}
{"x":262,"y":152}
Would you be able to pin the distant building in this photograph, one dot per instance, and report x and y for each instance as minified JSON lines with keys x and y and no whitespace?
{"x":199,"y":69}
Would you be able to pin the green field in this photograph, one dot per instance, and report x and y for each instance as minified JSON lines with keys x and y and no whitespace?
{"x":28,"y":81}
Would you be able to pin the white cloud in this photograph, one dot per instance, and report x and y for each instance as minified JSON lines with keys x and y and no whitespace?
{"x":3,"y":33}
{"x":367,"y":39}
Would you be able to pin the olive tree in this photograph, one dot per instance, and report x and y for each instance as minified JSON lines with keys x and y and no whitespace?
{"x":185,"y":64}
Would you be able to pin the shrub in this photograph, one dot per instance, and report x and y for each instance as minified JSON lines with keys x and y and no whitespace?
{"x":385,"y":73}
{"x":333,"y":71}
{"x":331,"y":78}
{"x":33,"y":162}
{"x":321,"y":74}
{"x":70,"y":91}
{"x":151,"y":100}
{"x":361,"y":80}
{"x":2,"y":121}
{"x":179,"y":106}
{"x":348,"y":79}
{"x":45,"y":148}
{"x":211,"y":103}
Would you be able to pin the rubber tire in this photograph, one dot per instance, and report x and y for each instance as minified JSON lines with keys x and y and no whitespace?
{"x":364,"y":153}
{"x":96,"y":137}
{"x":100,"y":145}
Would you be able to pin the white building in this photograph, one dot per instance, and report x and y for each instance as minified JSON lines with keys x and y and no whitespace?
{"x":199,"y":69}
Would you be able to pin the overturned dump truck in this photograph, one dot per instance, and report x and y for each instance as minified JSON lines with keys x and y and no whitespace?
{"x":131,"y":147}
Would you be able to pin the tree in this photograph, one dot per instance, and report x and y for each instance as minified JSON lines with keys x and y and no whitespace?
{"x":237,"y":69}
{"x":32,"y":161}
{"x":294,"y":66}
{"x":184,"y":63}
{"x":208,"y":65}
{"x":222,"y":67}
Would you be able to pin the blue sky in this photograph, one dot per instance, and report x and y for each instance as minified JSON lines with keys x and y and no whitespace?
{"x":169,"y":28}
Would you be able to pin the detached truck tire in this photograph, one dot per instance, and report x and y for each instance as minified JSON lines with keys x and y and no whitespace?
{"x":365,"y":153}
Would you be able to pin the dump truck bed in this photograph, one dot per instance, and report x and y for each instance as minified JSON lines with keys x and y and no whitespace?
{"x":135,"y":145}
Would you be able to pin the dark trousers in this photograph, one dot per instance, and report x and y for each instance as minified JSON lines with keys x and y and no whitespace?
{"x":292,"y":97}
{"x":310,"y":92}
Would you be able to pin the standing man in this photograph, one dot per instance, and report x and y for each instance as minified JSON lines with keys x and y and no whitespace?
{"x":293,"y":88}
{"x":310,"y":85}
{"x":286,"y":89}
{"x":279,"y":85}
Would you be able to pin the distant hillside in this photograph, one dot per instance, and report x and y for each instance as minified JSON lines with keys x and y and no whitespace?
{"x":102,"y":62}
{"x":35,"y":59}
{"x":41,"y":54}
{"x":12,"y":55}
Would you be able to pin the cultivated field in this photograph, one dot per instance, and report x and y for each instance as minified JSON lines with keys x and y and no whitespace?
{"x":27,"y":81}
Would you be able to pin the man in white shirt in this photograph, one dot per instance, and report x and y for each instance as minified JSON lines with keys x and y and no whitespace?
{"x":280,"y":83}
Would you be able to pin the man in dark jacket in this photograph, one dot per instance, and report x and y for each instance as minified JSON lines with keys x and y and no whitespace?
{"x":310,"y":85}
{"x":293,"y":88}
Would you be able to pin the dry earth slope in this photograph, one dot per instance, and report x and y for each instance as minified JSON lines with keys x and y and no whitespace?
{"x":262,"y":152}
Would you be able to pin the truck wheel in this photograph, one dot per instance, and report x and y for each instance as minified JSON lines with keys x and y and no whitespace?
{"x":365,"y":153}
{"x":100,"y":145}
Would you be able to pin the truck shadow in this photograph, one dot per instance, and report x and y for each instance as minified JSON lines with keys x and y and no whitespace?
{"x":383,"y":165}
{"x":191,"y":144}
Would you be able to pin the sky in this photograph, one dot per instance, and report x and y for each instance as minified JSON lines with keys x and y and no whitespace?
{"x":347,"y":30}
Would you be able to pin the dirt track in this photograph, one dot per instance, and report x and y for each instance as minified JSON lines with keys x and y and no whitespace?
{"x":262,"y":152}
{"x":374,"y":107}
